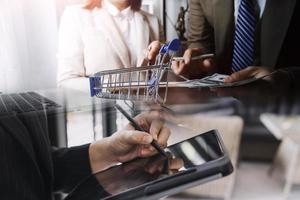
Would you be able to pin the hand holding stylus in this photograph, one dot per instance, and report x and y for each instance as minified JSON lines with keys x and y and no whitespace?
{"x":139,"y":128}
{"x":129,"y":143}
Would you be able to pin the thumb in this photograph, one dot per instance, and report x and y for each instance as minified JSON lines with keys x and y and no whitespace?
{"x":249,"y":72}
{"x":153,"y":50}
{"x":136,"y":137}
{"x":238,"y":76}
{"x":208,"y":64}
{"x":187,"y":56}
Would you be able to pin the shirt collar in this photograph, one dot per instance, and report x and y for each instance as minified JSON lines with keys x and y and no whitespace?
{"x":127,"y":13}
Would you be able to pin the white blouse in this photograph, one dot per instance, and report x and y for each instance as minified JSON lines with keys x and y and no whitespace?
{"x":93,"y":41}
{"x":126,"y":24}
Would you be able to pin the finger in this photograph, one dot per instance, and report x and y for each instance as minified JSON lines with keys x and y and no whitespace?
{"x":153,"y":50}
{"x":189,"y":53}
{"x":164,"y":136}
{"x":187,"y":56}
{"x":155,"y":128}
{"x":207,"y":64}
{"x":238,"y":76}
{"x":135,"y":138}
{"x":176,"y":164}
{"x":141,"y":119}
{"x":151,"y":116}
{"x":147,"y":152}
{"x":176,"y":67}
{"x":149,"y":149}
{"x":144,"y":124}
{"x":182,"y":67}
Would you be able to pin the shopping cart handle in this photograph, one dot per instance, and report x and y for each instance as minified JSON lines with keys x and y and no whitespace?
{"x":174,"y":45}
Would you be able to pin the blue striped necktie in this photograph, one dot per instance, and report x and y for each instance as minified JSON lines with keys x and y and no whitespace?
{"x":243,"y":51}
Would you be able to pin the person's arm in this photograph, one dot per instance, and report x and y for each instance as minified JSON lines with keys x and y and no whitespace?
{"x":157,"y":38}
{"x":201,"y":41}
{"x":71,"y":70}
{"x":128,"y":143}
{"x":73,"y":164}
{"x":285,"y":77}
{"x":200,"y":31}
{"x":70,"y":166}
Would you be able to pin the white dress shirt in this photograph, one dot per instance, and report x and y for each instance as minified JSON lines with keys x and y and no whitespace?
{"x":261,"y":4}
{"x":125,"y":22}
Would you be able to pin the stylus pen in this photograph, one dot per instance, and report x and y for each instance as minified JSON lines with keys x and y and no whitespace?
{"x":203,"y":56}
{"x":139,"y":128}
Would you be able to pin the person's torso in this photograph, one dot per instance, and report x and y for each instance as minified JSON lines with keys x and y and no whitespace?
{"x":29,"y":173}
{"x":104,"y":45}
{"x":274,"y":46}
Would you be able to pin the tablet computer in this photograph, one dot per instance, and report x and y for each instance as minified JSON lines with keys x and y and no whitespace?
{"x":191,"y":162}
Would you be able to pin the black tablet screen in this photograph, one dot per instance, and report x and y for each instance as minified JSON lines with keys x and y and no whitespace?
{"x":182,"y":156}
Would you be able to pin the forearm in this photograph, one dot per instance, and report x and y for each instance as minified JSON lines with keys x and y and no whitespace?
{"x":70,"y":166}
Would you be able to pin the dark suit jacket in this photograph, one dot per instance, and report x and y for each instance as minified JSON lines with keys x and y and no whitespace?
{"x":29,"y":167}
{"x":211,"y":27}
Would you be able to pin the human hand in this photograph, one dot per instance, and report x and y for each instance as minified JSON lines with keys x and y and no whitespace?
{"x":249,"y":72}
{"x":152,"y":51}
{"x":193,"y":68}
{"x":274,"y":82}
{"x":128,"y":143}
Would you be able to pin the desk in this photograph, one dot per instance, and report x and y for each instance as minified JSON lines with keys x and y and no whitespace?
{"x":198,"y":107}
{"x":247,"y":102}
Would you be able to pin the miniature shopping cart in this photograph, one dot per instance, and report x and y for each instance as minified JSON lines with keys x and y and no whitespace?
{"x":137,"y":83}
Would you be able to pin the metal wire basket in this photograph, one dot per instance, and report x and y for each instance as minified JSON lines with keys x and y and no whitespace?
{"x":136,"y":83}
